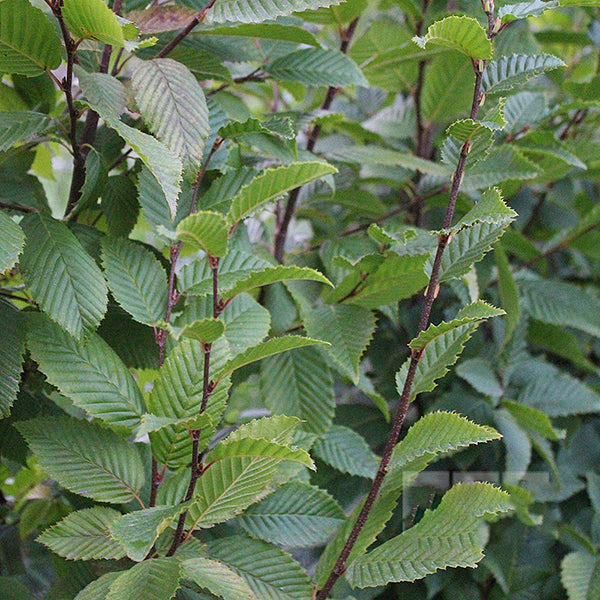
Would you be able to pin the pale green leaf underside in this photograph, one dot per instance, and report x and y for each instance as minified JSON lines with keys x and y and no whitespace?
{"x":29,"y":44}
{"x":84,"y":535}
{"x":12,"y":242}
{"x":206,"y":230}
{"x":576,"y":572}
{"x":19,"y":126}
{"x":85,"y":458}
{"x":522,"y":10}
{"x":173,"y":105}
{"x":62,"y":277}
{"x":136,"y":279}
{"x":272,"y":183}
{"x":464,"y":34}
{"x":88,"y":372}
{"x":439,"y":540}
{"x":295,"y":515}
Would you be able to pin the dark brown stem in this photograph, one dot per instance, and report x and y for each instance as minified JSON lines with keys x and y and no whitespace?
{"x":430,"y":296}
{"x":313,"y":136}
{"x":18,"y":207}
{"x":185,"y":31}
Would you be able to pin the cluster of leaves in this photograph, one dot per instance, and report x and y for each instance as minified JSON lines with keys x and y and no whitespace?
{"x":218,"y":223}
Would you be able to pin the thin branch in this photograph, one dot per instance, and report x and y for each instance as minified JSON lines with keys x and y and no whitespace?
{"x":18,"y":207}
{"x":198,"y":18}
{"x":430,"y":295}
{"x":16,"y":297}
{"x":313,"y":136}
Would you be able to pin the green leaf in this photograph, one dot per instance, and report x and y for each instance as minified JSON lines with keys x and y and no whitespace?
{"x":204,"y":330}
{"x":464,"y":34}
{"x":246,"y":11}
{"x":177,"y":394}
{"x":561,"y":303}
{"x":274,"y":182}
{"x":136,"y":279}
{"x":90,"y":373}
{"x":173,"y":105}
{"x":295,"y":515}
{"x":259,"y":448}
{"x":347,"y":328}
{"x":217,"y":578}
{"x":138,"y":530}
{"x":440,"y":346}
{"x":533,"y":419}
{"x":268,"y":348}
{"x":11,"y":355}
{"x":347,"y":451}
{"x":206,"y":230}
{"x":393,"y":279}
{"x":509,"y":72}
{"x":85,"y":458}
{"x":29,"y":44}
{"x":19,"y":126}
{"x":62,"y":277}
{"x":559,"y":394}
{"x":84,"y":535}
{"x":11,"y":245}
{"x":317,"y":66}
{"x":106,"y":95}
{"x":481,"y":375}
{"x":270,"y":572}
{"x":98,"y":589}
{"x":153,"y":579}
{"x":92,"y":19}
{"x":256,"y":279}
{"x":299,"y":383}
{"x":439,"y":540}
{"x":509,"y":293}
{"x":576,"y":573}
{"x":522,"y":10}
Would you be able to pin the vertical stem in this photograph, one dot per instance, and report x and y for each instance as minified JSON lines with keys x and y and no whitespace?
{"x":430,"y":295}
{"x":313,"y":136}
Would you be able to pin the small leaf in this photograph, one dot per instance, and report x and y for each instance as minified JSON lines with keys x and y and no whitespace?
{"x":84,"y":535}
{"x":92,"y":19}
{"x":522,"y":10}
{"x":464,"y":34}
{"x":577,"y":570}
{"x":29,"y":44}
{"x":257,"y":279}
{"x":204,"y":330}
{"x":19,"y":126}
{"x":11,"y":355}
{"x":272,"y":183}
{"x":295,"y":515}
{"x":268,"y":348}
{"x":85,"y":458}
{"x":246,"y":11}
{"x":153,"y":579}
{"x":345,"y":450}
{"x":217,"y":578}
{"x":136,"y":279}
{"x":259,"y":448}
{"x":317,"y":66}
{"x":347,"y":328}
{"x":206,"y":230}
{"x":11,"y":245}
{"x":138,"y":530}
{"x":533,"y":419}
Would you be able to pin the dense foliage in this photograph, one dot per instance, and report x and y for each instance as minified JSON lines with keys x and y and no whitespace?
{"x":243,"y":246}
